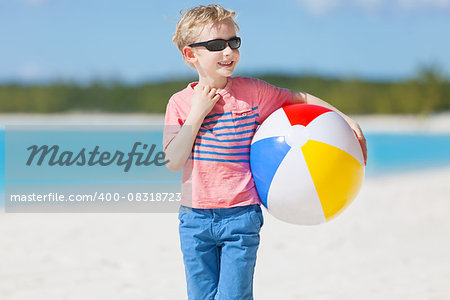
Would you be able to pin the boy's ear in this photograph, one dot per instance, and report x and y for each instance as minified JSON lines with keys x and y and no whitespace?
{"x":189,"y":54}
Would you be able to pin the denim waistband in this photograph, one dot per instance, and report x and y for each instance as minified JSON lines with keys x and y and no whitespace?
{"x":224,"y":212}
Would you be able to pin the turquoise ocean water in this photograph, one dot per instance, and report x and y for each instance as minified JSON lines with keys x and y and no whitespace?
{"x":387,"y":153}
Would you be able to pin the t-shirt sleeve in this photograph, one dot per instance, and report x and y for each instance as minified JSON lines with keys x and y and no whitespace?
{"x":172,"y":123}
{"x":271,"y":98}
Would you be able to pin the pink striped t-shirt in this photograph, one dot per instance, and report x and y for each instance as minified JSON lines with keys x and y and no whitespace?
{"x":217,"y":175}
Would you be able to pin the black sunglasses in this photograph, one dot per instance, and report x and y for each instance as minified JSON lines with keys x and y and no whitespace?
{"x":219,"y":44}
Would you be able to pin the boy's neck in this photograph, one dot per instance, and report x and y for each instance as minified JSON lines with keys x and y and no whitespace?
{"x":214,"y":83}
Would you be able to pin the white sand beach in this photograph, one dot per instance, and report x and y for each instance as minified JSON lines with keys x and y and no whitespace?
{"x":391,"y":243}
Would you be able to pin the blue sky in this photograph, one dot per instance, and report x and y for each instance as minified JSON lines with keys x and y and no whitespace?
{"x":42,"y":40}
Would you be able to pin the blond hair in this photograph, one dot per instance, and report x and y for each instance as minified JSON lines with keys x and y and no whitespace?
{"x":187,"y":30}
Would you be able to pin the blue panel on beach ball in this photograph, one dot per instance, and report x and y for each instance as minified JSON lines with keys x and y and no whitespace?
{"x":265,"y":158}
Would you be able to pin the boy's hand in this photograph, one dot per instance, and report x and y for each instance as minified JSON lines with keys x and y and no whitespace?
{"x":203,"y":100}
{"x":180,"y":148}
{"x":362,"y":140}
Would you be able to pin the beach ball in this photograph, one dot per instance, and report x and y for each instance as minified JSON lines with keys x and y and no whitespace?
{"x":307,"y":164}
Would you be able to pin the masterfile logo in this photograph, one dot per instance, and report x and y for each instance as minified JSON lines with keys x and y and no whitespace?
{"x":54,"y":156}
{"x":88,"y":168}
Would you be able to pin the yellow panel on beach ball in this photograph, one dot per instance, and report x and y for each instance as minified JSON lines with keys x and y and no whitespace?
{"x":337,"y":176}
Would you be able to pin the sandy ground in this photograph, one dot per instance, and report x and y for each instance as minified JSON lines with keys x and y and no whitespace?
{"x":391,"y":243}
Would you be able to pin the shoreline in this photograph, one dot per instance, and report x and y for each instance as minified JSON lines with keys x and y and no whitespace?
{"x":80,"y":118}
{"x":437,"y":123}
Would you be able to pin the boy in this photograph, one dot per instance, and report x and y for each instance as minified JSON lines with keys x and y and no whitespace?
{"x":209,"y":127}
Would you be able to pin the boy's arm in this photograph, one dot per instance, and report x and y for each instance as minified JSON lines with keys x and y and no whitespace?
{"x":180,"y":148}
{"x":305,"y":98}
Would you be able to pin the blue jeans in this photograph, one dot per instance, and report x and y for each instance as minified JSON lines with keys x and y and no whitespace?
{"x":219,"y":251}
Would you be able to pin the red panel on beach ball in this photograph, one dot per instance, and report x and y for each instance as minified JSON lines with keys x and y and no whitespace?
{"x":307,"y":114}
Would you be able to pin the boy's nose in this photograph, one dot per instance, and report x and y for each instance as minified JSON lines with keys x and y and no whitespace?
{"x":227,"y":50}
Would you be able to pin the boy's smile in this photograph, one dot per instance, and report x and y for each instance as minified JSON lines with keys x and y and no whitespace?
{"x":227,"y":64}
{"x":214,"y":67}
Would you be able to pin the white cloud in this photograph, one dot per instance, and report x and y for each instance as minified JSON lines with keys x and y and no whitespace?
{"x":29,"y":71}
{"x":417,"y":4}
{"x":323,"y":7}
{"x":319,"y":7}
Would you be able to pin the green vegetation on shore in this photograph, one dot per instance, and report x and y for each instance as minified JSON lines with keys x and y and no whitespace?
{"x":428,"y":92}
